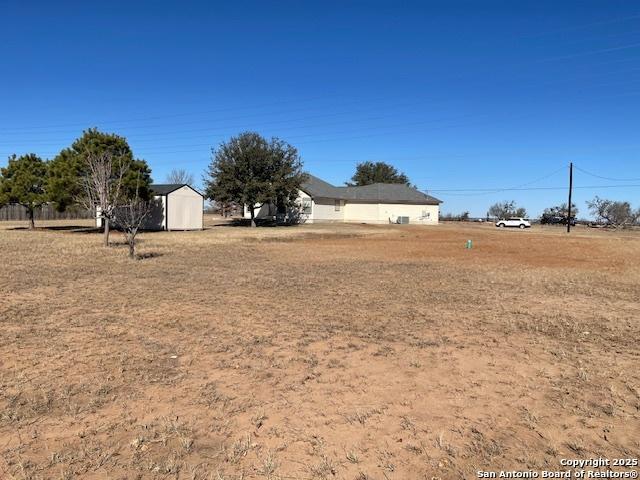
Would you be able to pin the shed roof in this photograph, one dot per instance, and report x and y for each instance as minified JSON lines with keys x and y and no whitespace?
{"x":167,"y":188}
{"x":377,"y":192}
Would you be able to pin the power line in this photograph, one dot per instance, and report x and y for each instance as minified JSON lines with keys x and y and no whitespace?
{"x":285,"y":121}
{"x":219,"y":119}
{"x":158,"y":117}
{"x":583,"y":26}
{"x":412,"y":102}
{"x":526,"y":187}
{"x":132,"y":139}
{"x":606,"y":178}
{"x":375,"y":108}
{"x":494,"y":190}
{"x":261,"y":114}
{"x":530,"y":189}
{"x":591,"y":52}
{"x":162,"y":149}
{"x":608,"y":35}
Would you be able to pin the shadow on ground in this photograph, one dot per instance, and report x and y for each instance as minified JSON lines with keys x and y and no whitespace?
{"x":63,"y":228}
{"x":245,"y":222}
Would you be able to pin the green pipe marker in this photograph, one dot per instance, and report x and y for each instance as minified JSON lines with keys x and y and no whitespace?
{"x":469,"y":244}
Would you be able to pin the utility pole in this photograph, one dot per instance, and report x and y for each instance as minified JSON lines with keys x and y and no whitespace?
{"x":570,"y":191}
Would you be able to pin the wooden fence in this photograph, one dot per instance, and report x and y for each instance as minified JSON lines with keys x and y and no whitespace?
{"x":15,"y":212}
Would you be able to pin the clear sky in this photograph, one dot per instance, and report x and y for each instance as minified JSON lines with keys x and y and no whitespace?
{"x":458,"y":95}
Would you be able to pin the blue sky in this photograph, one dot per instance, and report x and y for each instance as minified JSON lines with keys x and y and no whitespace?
{"x":459,"y":95}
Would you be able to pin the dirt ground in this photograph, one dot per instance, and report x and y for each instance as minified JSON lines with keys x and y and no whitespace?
{"x":316,"y":352}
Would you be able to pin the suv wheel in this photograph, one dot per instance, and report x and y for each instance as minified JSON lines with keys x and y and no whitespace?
{"x":501,"y":225}
{"x":522,"y":225}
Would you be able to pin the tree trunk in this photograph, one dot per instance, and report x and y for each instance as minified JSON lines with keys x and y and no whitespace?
{"x":132,"y":248}
{"x":253,"y":214}
{"x":32,"y":223}
{"x":105,"y":221}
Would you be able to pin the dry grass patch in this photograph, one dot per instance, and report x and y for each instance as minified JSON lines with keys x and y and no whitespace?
{"x":320,"y":351}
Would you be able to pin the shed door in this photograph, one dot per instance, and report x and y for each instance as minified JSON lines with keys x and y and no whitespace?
{"x":184,"y":210}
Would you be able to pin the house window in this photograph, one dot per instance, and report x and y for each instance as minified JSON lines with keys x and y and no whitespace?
{"x":306,"y":206}
{"x":337,"y":205}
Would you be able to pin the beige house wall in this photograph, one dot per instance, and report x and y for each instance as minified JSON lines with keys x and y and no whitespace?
{"x":361,"y":212}
{"x":422,"y":214}
{"x":324,"y":210}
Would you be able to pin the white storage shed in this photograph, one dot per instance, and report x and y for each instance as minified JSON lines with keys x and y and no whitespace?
{"x":177,"y":207}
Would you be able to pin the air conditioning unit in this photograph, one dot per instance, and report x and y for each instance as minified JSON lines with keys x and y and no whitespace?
{"x":403,"y":220}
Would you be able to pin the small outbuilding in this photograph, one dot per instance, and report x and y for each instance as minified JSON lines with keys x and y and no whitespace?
{"x":176,"y":207}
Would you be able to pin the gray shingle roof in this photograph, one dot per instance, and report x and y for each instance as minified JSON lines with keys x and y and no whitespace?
{"x":377,"y":192}
{"x":319,"y":188}
{"x":167,"y":188}
{"x":164,"y":188}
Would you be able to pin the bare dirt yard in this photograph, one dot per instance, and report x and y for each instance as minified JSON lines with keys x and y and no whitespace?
{"x":316,"y":352}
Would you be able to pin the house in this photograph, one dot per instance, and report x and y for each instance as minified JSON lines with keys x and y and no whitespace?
{"x":175,"y":207}
{"x":320,"y":201}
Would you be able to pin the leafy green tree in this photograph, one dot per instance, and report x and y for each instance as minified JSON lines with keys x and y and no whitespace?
{"x":377,"y":172}
{"x":67,"y":169}
{"x":252,"y":171}
{"x":70,"y":173}
{"x":507,"y":209}
{"x":63,"y":183}
{"x":23,"y":181}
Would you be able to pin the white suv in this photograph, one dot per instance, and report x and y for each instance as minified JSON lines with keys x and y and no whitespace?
{"x":513,"y":222}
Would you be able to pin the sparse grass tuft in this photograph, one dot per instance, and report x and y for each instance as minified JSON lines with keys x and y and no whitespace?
{"x":324,"y":469}
{"x":352,"y":456}
{"x":268,"y":466}
{"x":239,"y":449}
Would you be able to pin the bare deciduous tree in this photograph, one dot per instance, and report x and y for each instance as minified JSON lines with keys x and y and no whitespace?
{"x":130,"y":217}
{"x":224,"y":208}
{"x":102,"y":185}
{"x":614,"y":213}
{"x":180,"y":176}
